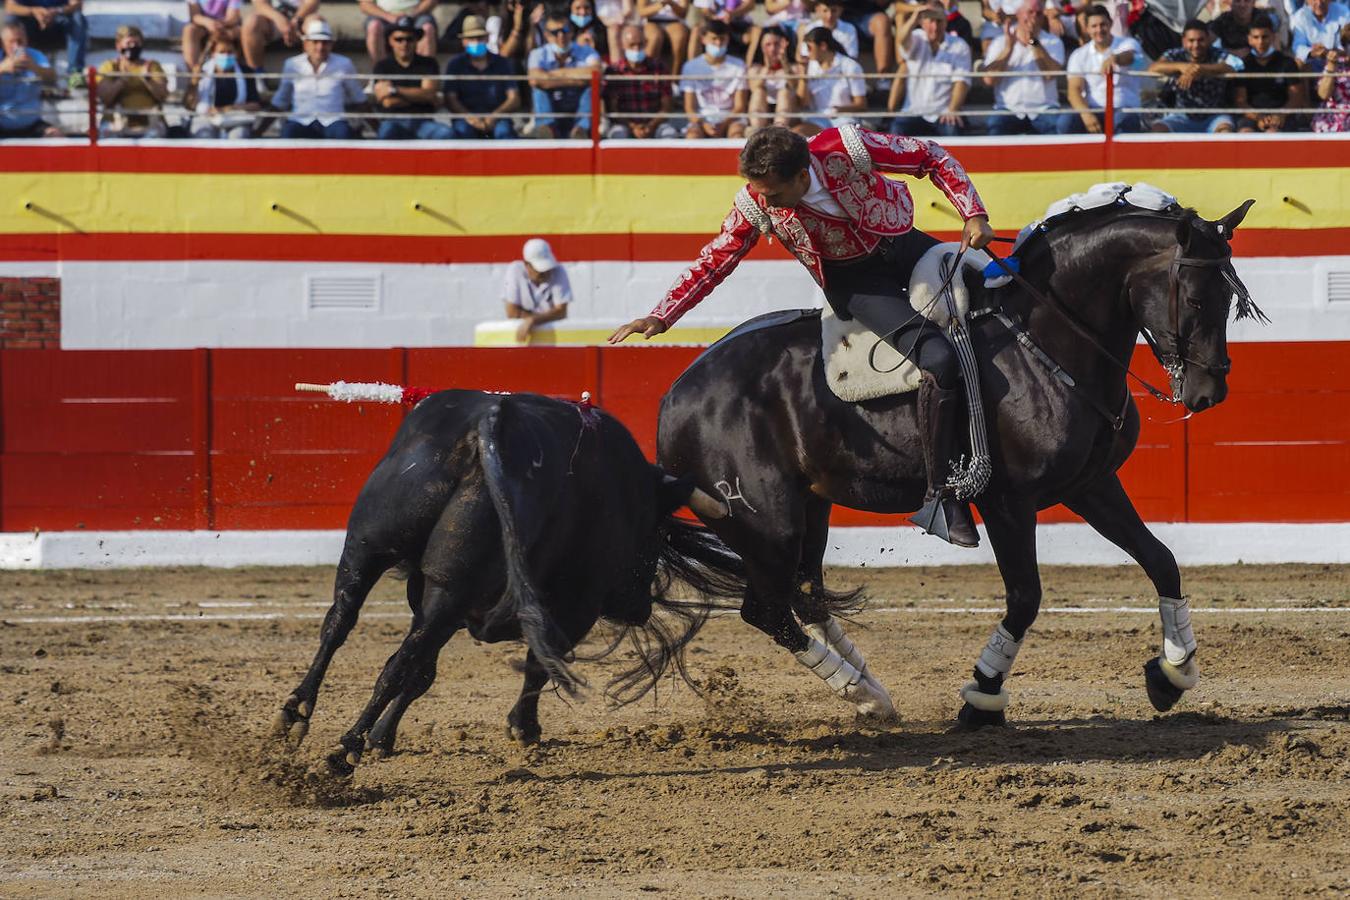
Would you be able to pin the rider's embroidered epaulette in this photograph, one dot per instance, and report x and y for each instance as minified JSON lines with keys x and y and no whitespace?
{"x":857,"y":150}
{"x":753,"y":211}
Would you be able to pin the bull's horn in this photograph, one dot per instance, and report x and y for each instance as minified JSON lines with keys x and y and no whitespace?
{"x":706,"y":505}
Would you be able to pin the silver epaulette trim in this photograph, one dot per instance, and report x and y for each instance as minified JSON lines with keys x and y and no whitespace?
{"x":753,"y":211}
{"x":857,"y":150}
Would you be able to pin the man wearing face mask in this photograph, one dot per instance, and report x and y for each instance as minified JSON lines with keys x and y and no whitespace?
{"x":645,"y":102}
{"x":131,"y":89}
{"x":560,"y":81}
{"x":483,"y":107}
{"x":714,"y":88}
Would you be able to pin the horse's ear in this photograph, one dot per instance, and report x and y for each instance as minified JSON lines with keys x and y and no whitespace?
{"x":1229,"y":223}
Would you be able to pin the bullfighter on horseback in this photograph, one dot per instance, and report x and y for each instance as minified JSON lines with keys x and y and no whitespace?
{"x":827,"y":200}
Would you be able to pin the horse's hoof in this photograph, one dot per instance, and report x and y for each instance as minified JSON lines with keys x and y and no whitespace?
{"x":1162,"y":693}
{"x":379,"y":753}
{"x":972,"y":719}
{"x":281,"y":723}
{"x":296,"y":736}
{"x":526,"y":737}
{"x":343,"y":761}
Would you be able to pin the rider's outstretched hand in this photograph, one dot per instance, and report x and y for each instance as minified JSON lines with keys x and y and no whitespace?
{"x":977,"y":233}
{"x":648,"y":327}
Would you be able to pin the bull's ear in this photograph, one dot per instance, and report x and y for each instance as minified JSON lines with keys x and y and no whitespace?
{"x":671,"y":492}
{"x":1229,"y":223}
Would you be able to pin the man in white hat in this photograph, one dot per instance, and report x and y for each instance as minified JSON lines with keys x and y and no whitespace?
{"x":536,"y":289}
{"x":317,"y":87}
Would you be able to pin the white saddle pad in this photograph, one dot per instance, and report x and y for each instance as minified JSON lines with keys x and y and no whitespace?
{"x":848,"y":345}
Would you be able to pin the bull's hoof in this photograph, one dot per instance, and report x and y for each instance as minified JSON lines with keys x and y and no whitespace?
{"x":524,"y":735}
{"x":972,"y":719}
{"x":1162,"y":693}
{"x":342,"y":761}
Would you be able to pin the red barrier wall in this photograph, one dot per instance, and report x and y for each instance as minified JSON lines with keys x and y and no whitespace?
{"x":111,"y":440}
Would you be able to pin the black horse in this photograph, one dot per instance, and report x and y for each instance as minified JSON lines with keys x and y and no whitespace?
{"x":753,"y":418}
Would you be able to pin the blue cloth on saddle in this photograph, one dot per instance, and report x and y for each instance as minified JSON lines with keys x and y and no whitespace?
{"x":994,"y":270}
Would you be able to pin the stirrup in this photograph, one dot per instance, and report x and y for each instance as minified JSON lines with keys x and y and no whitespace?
{"x":932,"y":518}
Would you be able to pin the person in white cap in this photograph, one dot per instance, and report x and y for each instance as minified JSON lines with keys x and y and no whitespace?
{"x":536,"y":289}
{"x":317,"y":87}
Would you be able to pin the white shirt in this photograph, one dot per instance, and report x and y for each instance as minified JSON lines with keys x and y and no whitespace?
{"x":519,"y":290}
{"x":844,"y":33}
{"x":821,"y":200}
{"x":835,"y":91}
{"x":1308,"y":31}
{"x":1086,"y":62}
{"x":714,"y":96}
{"x":929,"y":97}
{"x":1034,"y":93}
{"x":317,"y":95}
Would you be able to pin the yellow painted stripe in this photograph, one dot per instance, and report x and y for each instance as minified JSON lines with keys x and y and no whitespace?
{"x":573,"y":204}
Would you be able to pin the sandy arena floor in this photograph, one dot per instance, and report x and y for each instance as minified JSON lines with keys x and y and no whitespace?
{"x":133,"y":758}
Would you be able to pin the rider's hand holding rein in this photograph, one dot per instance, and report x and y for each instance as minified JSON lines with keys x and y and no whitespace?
{"x":648,"y":326}
{"x":977,"y":234}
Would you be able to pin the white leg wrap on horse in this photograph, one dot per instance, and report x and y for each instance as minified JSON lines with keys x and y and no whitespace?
{"x":1184,"y":676}
{"x":977,"y":698}
{"x":997,"y":656}
{"x":845,"y":679}
{"x":831,"y":633}
{"x":1178,"y":639}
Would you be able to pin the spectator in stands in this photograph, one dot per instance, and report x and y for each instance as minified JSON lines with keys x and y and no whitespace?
{"x":560,"y":81}
{"x":833,"y":86}
{"x":772,"y":95}
{"x":227,"y":92}
{"x":613,"y":16}
{"x":649,"y":101}
{"x":997,"y":14}
{"x":1103,"y":56}
{"x":1277,"y":92}
{"x":131,"y":89}
{"x":732,"y":13}
{"x":400,"y":91}
{"x":587,"y":29}
{"x":485,"y":106}
{"x":1333,"y":88}
{"x":788,"y":15}
{"x":23,"y":72}
{"x":317,"y":87}
{"x":274,"y":19}
{"x":932,"y":91}
{"x":872,"y":24}
{"x":207,"y":20}
{"x":383,"y":15}
{"x":1230,"y":28}
{"x":664,"y":26}
{"x":493,"y":24}
{"x":48,"y":22}
{"x":714,"y":88}
{"x":1316,"y":28}
{"x":1026,"y":101}
{"x":828,"y":13}
{"x":537,"y":289}
{"x":1196,"y":71}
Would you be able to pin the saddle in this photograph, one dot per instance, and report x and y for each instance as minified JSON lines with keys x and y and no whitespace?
{"x":853,"y":371}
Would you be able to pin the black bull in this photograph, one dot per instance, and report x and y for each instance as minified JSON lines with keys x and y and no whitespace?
{"x":754,"y":417}
{"x":516,"y":517}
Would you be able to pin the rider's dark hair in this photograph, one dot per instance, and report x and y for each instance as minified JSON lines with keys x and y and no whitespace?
{"x":775,"y":151}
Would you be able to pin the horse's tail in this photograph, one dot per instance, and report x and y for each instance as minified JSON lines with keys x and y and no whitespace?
{"x":691,"y":560}
{"x":521,"y":600}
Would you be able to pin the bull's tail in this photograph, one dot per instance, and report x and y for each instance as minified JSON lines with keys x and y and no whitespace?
{"x":521,"y":600}
{"x":692,"y":561}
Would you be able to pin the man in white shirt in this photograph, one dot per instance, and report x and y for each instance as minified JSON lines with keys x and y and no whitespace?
{"x":834,"y":84}
{"x":1089,"y":65}
{"x":714,"y":88}
{"x":1027,"y":101}
{"x":317,"y":87}
{"x":536,"y":289}
{"x":828,"y":14}
{"x":1317,"y":28}
{"x":933,"y":94}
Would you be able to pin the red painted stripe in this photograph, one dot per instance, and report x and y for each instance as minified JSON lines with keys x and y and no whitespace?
{"x":582,"y":159}
{"x":380,"y":248}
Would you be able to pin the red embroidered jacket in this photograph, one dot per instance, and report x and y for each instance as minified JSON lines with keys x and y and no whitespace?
{"x":849,"y":162}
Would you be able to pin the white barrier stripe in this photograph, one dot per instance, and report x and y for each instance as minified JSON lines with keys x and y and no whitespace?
{"x":918,"y":610}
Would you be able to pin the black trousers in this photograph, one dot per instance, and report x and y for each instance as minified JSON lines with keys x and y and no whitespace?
{"x":875,"y":291}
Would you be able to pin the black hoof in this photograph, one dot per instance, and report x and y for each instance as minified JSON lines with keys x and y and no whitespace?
{"x":338,"y":765}
{"x":972,"y":719}
{"x":1162,"y":693}
{"x":523,"y":735}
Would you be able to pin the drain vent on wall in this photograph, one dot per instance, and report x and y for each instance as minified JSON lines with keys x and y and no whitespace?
{"x":1338,"y":287}
{"x":342,"y":292}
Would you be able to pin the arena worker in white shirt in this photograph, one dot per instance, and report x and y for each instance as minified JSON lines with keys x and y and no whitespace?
{"x":1027,"y":101}
{"x":317,"y":87}
{"x":834,"y":85}
{"x":1088,"y":67}
{"x":714,"y":88}
{"x":933,"y":93}
{"x":536,"y":289}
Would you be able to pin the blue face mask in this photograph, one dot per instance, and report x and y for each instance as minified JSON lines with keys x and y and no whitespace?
{"x":1269,"y":50}
{"x":714,"y":51}
{"x":558,"y":52}
{"x":581,"y":21}
{"x":478,"y":49}
{"x":224,"y":62}
{"x":636,"y":57}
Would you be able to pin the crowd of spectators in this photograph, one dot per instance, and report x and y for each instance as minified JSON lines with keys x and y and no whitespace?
{"x":700,"y":68}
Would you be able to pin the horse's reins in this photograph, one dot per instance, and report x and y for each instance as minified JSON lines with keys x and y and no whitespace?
{"x":918,"y":314}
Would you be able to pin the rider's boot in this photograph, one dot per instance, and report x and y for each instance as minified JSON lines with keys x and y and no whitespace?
{"x":942,"y":514}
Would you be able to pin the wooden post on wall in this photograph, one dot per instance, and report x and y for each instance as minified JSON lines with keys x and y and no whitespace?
{"x":204,"y":508}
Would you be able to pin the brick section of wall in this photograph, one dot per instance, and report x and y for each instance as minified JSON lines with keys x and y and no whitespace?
{"x":30,"y":313}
